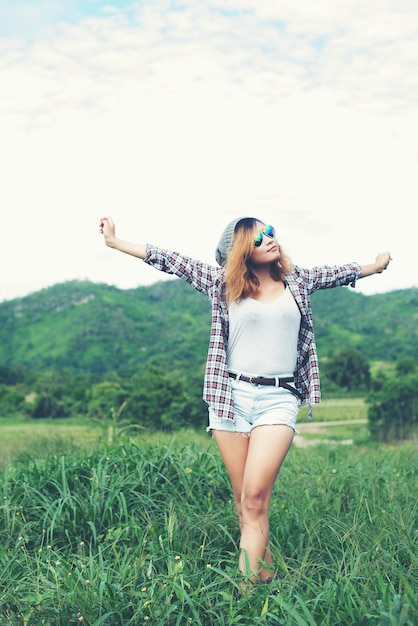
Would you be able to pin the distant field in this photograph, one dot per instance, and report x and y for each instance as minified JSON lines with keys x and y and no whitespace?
{"x":336,"y":409}
{"x":38,"y":437}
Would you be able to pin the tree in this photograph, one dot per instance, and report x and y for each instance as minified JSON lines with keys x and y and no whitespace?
{"x":349,"y":369}
{"x":105,"y":397}
{"x":406,"y":365}
{"x":8,"y":375}
{"x":57,"y":394}
{"x":11,"y":400}
{"x":166,"y":400}
{"x":393,"y":408}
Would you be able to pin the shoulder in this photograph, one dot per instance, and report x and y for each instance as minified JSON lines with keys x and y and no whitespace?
{"x":300,"y":274}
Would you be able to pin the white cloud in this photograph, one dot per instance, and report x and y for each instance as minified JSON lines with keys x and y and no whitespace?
{"x":176,"y":121}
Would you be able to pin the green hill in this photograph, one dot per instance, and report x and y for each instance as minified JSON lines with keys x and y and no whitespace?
{"x":383,"y":326}
{"x":100,"y":329}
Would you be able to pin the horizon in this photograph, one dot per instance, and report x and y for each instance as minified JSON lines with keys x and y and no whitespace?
{"x":70,"y":281}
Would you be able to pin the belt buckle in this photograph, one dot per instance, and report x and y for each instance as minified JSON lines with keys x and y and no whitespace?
{"x":253,"y":379}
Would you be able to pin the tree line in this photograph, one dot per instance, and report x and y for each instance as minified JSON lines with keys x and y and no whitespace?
{"x":160,"y":399}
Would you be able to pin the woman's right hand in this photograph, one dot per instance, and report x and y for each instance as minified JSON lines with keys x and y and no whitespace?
{"x":107,"y":229}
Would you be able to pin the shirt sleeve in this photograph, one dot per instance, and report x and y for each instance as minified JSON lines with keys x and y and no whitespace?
{"x":202,"y":276}
{"x":327,"y":276}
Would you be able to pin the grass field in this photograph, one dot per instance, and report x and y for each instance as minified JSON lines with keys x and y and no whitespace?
{"x":99,"y":529}
{"x":21,"y":436}
{"x":338,"y":409}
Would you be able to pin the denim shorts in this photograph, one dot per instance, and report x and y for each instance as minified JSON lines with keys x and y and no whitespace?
{"x":257,"y":405}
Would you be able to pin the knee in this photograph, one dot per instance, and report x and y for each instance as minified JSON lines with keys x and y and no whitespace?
{"x":255,"y":500}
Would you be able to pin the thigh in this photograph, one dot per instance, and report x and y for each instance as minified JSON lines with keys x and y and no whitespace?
{"x":233,"y":448}
{"x":266,"y":452}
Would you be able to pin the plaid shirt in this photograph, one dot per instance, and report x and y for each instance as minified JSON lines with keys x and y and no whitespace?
{"x":209,"y":280}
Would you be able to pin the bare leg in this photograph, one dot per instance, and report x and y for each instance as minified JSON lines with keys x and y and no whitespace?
{"x":252,"y":464}
{"x":234,"y":449}
{"x":266,"y":452}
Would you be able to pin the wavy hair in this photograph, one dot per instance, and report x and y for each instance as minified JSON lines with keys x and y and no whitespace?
{"x":240,"y":280}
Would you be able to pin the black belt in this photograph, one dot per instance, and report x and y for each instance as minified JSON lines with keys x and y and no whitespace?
{"x":274,"y":382}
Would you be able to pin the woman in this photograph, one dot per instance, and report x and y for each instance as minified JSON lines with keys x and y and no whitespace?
{"x":262,"y":362}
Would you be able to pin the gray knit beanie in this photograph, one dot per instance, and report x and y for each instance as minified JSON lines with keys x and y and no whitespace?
{"x":224,"y":246}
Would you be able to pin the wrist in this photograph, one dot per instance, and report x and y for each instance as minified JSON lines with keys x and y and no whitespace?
{"x":110,"y":241}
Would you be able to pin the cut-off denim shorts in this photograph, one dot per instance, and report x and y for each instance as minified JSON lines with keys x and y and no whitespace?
{"x":257,"y":405}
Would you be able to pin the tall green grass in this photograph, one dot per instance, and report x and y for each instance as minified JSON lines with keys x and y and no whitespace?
{"x":135,"y":533}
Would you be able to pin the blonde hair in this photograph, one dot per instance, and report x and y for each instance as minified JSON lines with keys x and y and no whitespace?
{"x":240,"y":280}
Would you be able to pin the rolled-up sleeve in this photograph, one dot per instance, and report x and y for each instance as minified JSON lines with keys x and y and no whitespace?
{"x":201,"y":276}
{"x":329,"y":276}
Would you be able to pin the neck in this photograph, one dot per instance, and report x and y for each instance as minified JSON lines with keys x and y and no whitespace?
{"x":269,"y":287}
{"x":262,"y":272}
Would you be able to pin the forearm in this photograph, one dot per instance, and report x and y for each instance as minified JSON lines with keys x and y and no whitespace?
{"x":134,"y":249}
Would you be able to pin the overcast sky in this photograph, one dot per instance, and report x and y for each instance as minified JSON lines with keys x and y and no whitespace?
{"x":176,"y":117}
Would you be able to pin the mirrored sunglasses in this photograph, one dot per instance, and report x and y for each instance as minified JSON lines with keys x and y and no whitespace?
{"x":269,"y":231}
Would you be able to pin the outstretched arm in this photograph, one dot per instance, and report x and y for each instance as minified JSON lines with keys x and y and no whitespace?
{"x":202,"y":276}
{"x":107,"y":229}
{"x":381,"y":263}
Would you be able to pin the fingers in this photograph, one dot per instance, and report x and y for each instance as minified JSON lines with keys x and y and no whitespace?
{"x":383,"y":260}
{"x":105,"y":221}
{"x":388,"y":259}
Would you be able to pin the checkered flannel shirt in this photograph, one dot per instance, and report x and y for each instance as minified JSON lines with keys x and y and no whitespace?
{"x":209,"y":280}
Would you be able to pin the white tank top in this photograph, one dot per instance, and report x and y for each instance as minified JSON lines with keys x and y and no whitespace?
{"x":263,"y":336}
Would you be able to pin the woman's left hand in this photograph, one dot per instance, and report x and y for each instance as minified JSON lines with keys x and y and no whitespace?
{"x":382,"y":261}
